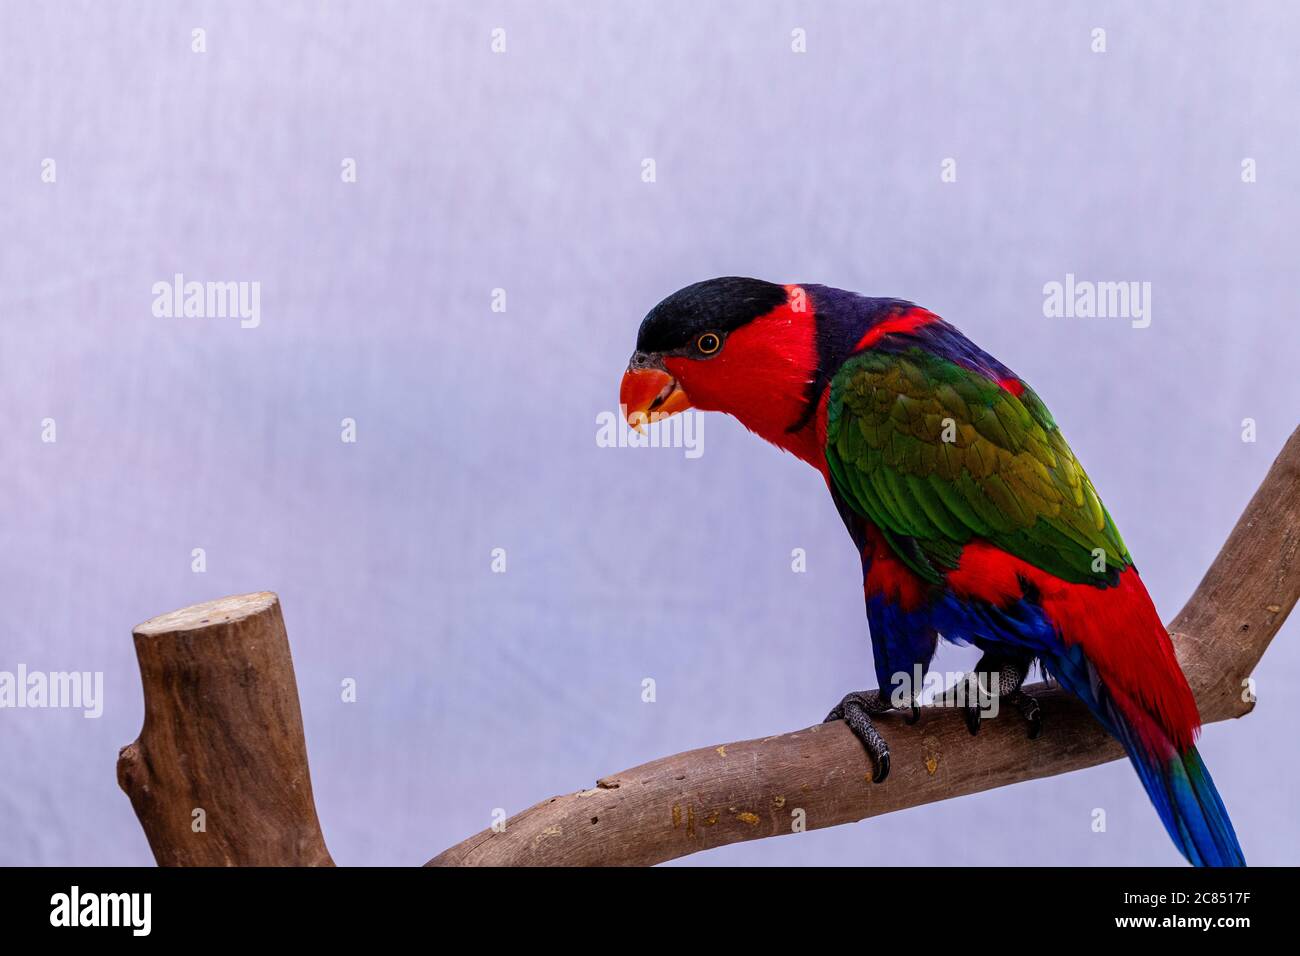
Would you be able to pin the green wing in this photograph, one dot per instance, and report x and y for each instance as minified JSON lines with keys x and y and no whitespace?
{"x":935,"y":454}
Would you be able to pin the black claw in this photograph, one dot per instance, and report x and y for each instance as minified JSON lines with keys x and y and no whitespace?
{"x":1034,"y":717}
{"x":882,"y":768}
{"x":856,"y":710}
{"x":1011,"y":676}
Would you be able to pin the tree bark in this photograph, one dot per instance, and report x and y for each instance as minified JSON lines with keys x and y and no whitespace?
{"x":223,"y":734}
{"x":821,"y":776}
{"x":218,"y":775}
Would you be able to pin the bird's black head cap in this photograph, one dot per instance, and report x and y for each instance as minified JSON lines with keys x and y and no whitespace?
{"x":714,"y":305}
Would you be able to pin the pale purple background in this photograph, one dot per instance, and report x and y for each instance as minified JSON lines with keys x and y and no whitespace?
{"x":477,"y":429}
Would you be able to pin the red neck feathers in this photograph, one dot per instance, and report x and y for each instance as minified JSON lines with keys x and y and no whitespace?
{"x":762,"y":377}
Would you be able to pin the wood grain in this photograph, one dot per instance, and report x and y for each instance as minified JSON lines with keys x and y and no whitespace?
{"x":223,"y":733}
{"x":752,"y":789}
{"x":223,"y":736}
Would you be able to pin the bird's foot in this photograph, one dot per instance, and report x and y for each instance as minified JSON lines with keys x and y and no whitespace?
{"x":996,"y":680}
{"x":856,"y":710}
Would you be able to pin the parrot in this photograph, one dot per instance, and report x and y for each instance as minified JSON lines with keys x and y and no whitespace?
{"x":973,"y":519}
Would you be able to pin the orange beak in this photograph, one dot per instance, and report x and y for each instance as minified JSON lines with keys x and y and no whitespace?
{"x":650,"y":395}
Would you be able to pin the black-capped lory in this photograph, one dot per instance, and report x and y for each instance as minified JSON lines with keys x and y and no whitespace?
{"x":973,"y":518}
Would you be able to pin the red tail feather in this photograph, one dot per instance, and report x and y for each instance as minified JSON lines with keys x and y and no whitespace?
{"x":1117,"y":628}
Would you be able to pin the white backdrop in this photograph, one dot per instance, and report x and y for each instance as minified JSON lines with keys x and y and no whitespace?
{"x":476,"y":429}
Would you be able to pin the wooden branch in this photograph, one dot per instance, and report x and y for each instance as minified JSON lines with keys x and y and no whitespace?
{"x":756,"y":788}
{"x":218,"y":775}
{"x":223,"y":735}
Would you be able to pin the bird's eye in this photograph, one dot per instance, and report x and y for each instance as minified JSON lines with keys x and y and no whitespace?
{"x":709,"y":342}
